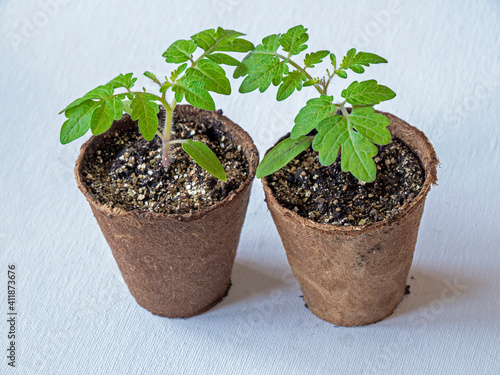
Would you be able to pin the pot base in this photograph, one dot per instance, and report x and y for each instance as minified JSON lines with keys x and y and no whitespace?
{"x":194,"y":313}
{"x":349,"y":322}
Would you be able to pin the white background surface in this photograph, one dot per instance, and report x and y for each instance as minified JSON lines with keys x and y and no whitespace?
{"x":76,"y":314}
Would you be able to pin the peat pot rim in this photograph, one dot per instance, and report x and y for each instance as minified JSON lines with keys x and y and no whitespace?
{"x":399,"y":129}
{"x":241,"y":137}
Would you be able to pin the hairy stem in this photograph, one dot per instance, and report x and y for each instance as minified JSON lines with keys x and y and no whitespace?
{"x":166,"y":119}
{"x":177,"y":141}
{"x":330,"y":76}
{"x":166,"y":139}
{"x":162,"y":118}
{"x":303,"y":70}
{"x":207,"y":52}
{"x":343,"y":109}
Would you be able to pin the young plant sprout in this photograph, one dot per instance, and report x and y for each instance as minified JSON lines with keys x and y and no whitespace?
{"x":193,"y":80}
{"x":354,"y":132}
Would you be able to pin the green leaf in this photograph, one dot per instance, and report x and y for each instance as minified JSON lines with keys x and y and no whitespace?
{"x":121,"y":80}
{"x":78,"y":122}
{"x":367,"y":93}
{"x":279,"y":73}
{"x":238,"y":45}
{"x":357,"y":157}
{"x":333,"y":59}
{"x":293,"y":40}
{"x":353,"y":60}
{"x":212,"y":75}
{"x":291,"y":82}
{"x":102,"y":117}
{"x":100,"y":92}
{"x":361,"y":58}
{"x":222,"y":58}
{"x":335,"y":133}
{"x":126,"y":106}
{"x":179,"y":93}
{"x":348,"y":58}
{"x":311,"y":82}
{"x":117,"y":108}
{"x":240,"y":71}
{"x":222,"y":40}
{"x":357,"y":69}
{"x":315,"y":58}
{"x":261,"y":75}
{"x":253,"y":65}
{"x":332,"y":133}
{"x":205,"y":158}
{"x":208,"y":39}
{"x":74,"y":104}
{"x":270,"y":43}
{"x":263,"y":67}
{"x":341,"y":73}
{"x":165,"y":87}
{"x":281,"y":155}
{"x":180,"y":51}
{"x":261,"y":53}
{"x":145,"y":110}
{"x":311,"y":115}
{"x":371,"y":125}
{"x":195,"y":92}
{"x":176,"y":73}
{"x":365,"y":58}
{"x":152,"y":77}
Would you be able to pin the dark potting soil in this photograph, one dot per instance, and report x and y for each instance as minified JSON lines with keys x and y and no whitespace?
{"x":128,"y":171}
{"x":328,"y":195}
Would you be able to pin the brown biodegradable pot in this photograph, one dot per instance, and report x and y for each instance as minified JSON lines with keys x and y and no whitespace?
{"x":352,"y":276}
{"x":175,"y":265}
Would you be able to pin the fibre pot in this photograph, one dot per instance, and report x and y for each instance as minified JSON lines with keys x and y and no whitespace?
{"x":175,"y":265}
{"x":352,"y":276}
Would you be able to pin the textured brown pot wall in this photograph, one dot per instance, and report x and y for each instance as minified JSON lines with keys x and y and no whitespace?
{"x":175,"y":265}
{"x":353,"y":276}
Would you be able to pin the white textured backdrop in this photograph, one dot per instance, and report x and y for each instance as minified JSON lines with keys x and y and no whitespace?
{"x":76,"y":315}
